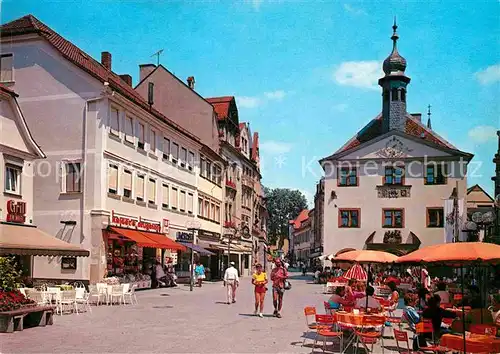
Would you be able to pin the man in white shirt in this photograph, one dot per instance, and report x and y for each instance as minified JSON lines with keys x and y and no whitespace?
{"x":231,"y":282}
{"x":372,"y":302}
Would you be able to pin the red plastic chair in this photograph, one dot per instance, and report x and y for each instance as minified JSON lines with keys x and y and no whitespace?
{"x":402,"y":336}
{"x":325,"y":324}
{"x":425,"y":327}
{"x":489,"y":330}
{"x":311,"y":326}
{"x":371,"y":331}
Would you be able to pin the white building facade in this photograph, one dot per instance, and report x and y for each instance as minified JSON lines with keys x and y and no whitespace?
{"x":390,"y":186}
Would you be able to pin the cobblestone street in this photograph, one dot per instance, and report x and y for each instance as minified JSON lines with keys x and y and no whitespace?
{"x":177,"y":321}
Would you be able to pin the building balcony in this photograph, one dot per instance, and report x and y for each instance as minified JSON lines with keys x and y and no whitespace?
{"x":230,"y":184}
{"x":394,"y":191}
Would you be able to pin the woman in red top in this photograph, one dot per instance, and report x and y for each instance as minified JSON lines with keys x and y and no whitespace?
{"x":278,"y":277}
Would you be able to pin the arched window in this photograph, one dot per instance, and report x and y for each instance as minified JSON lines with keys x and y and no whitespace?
{"x":395,"y":94}
{"x":403,"y":95}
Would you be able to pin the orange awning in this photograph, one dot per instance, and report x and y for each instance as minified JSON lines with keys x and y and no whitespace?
{"x":164,"y":241}
{"x":455,"y":254}
{"x":136,"y":236}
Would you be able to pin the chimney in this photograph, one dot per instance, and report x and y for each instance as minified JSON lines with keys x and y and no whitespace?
{"x":190,"y":82}
{"x":106,"y":60}
{"x":127,"y":78}
{"x":417,"y":116}
{"x":145,"y":70}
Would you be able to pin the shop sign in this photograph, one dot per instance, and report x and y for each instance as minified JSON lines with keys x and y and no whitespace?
{"x":184,"y":237}
{"x":132,"y":223}
{"x":16,"y":212}
{"x":208,"y":234}
{"x":166,"y":226}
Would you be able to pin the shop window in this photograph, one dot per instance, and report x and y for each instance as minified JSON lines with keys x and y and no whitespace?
{"x":72,"y":177}
{"x":347,"y":176}
{"x":139,"y":188}
{"x":175,"y":153}
{"x":435,"y":173}
{"x":13,"y":179}
{"x":394,"y":175}
{"x":152,"y":191}
{"x":191,"y":161}
{"x":182,"y":204}
{"x":190,"y":203}
{"x":183,"y":157}
{"x":129,"y":129}
{"x":141,"y":136}
{"x":435,"y":217}
{"x":166,"y":149}
{"x":393,"y":218}
{"x":175,"y":196}
{"x":127,"y":184}
{"x":114,"y":121}
{"x":164,"y":194}
{"x":152,"y":143}
{"x":349,"y":218}
{"x":6,"y":68}
{"x":113,"y":179}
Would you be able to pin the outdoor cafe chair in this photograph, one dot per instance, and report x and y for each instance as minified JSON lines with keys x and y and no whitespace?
{"x":82,"y":297}
{"x":372,"y":328}
{"x":486,"y":329}
{"x":309,"y":312}
{"x":130,"y":294}
{"x":424,"y":328}
{"x":402,"y":336}
{"x":116,"y":293}
{"x":325,"y":329}
{"x":68,"y":299}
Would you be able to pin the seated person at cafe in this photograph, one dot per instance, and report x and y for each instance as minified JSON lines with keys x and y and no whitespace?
{"x":436,"y":314}
{"x":443,"y":294}
{"x":410,"y":314}
{"x":423,"y":297}
{"x":337,"y":299}
{"x":372,"y":302}
{"x":394,"y":298}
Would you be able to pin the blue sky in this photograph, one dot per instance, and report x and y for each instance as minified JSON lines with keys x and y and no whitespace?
{"x":305,"y":72}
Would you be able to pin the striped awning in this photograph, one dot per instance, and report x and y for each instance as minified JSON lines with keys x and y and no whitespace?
{"x":357,"y":273}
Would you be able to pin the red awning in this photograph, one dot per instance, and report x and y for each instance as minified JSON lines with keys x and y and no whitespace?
{"x":136,"y":236}
{"x":164,"y":241}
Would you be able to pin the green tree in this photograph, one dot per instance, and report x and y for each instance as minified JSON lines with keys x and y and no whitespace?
{"x":10,"y":276}
{"x":283,"y":205}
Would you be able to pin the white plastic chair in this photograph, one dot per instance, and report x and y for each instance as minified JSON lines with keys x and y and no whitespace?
{"x":116,"y":293}
{"x":125,"y":289}
{"x":68,"y":298}
{"x":131,"y":295}
{"x":82,"y":297}
{"x":102,"y":289}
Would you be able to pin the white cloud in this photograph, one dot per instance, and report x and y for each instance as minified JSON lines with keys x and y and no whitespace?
{"x":489,"y":75}
{"x":362,"y":74}
{"x":275,"y":95}
{"x":483,"y":133}
{"x":309,"y":196}
{"x":248,"y":101}
{"x":274,"y":147}
{"x":340,"y":107}
{"x":354,"y":10}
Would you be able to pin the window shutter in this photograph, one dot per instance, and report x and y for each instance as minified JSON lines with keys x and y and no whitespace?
{"x":127,"y":180}
{"x":62,"y":176}
{"x":174,"y":197}
{"x":152,"y":190}
{"x":165,"y":194}
{"x":112,"y":178}
{"x":139,"y":188}
{"x":183,"y":201}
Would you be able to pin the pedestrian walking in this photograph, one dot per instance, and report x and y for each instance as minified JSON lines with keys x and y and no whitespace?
{"x":199,"y":273}
{"x":231,"y":282}
{"x":278,"y":276}
{"x":259,"y":279}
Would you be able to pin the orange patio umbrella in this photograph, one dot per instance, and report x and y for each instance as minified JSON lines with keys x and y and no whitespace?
{"x":456,"y":254}
{"x":366,"y":256}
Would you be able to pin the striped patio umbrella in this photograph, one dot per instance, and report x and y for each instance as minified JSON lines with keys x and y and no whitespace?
{"x":357,"y":273}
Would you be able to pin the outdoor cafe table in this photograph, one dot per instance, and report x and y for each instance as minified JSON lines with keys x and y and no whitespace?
{"x":351,"y":321}
{"x":456,"y":342}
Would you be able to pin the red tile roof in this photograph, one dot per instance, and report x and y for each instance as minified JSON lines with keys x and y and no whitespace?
{"x":8,"y":90}
{"x":303,"y":216}
{"x":221,"y":105}
{"x":255,"y":146}
{"x":374,"y":129}
{"x":30,"y":24}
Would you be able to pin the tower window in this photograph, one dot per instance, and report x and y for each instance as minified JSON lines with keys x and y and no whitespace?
{"x":386,"y":96}
{"x":403,"y":95}
{"x":395,"y":94}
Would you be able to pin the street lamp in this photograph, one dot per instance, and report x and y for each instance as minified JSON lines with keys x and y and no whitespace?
{"x":193,"y":227}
